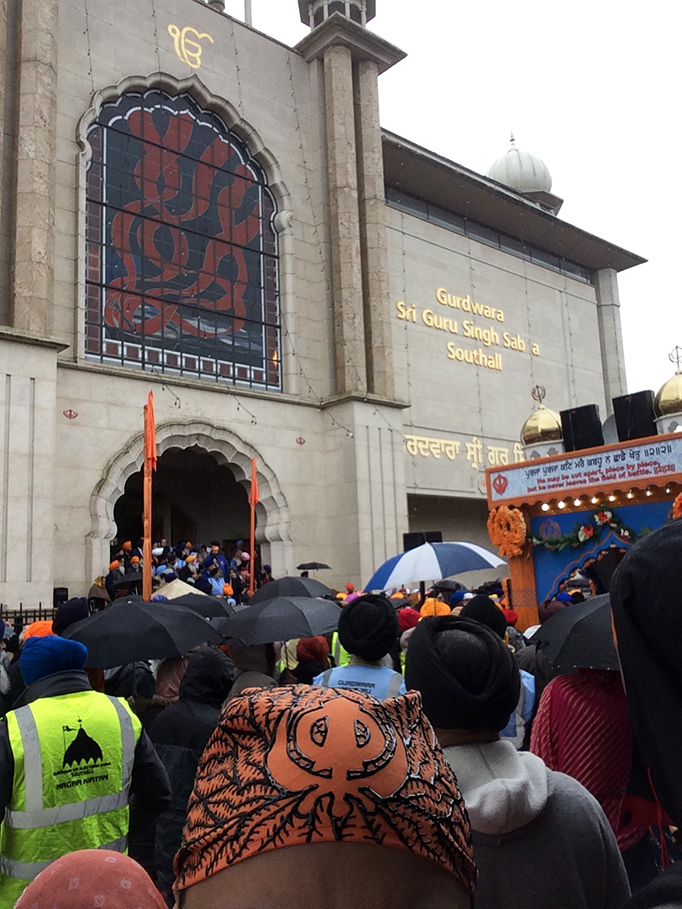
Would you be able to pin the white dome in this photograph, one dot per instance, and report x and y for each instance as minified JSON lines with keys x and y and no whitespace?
{"x":521,"y":171}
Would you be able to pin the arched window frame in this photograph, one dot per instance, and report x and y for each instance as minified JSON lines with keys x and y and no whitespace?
{"x":262,"y":158}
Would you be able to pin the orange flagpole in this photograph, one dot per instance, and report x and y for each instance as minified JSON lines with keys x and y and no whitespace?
{"x":149,"y":466}
{"x":253,"y":501}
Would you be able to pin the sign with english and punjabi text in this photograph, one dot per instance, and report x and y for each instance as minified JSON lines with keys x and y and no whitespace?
{"x":648,"y":460}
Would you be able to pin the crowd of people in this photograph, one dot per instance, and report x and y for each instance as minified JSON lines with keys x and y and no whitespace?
{"x":206,"y":567}
{"x":429,"y":751}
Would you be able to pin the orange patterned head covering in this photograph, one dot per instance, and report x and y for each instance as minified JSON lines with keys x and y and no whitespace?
{"x":298,"y":766}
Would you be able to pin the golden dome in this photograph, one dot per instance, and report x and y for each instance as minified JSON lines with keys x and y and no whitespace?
{"x":542,"y":425}
{"x":669,"y":399}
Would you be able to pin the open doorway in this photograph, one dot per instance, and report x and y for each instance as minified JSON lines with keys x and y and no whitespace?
{"x":194,"y":498}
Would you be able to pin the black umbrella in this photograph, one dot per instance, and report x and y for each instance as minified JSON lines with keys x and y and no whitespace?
{"x":291,"y":587}
{"x":579,"y":637}
{"x":132,"y":579}
{"x":312,"y":566}
{"x":208,"y":606}
{"x":449,"y":584}
{"x":281,"y":619}
{"x":130,"y":630}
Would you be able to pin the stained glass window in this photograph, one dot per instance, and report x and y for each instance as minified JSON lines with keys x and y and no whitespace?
{"x":181,"y":267}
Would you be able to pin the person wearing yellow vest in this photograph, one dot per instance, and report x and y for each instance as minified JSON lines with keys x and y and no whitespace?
{"x":339,"y":653}
{"x":71,"y":762}
{"x":368,"y":629}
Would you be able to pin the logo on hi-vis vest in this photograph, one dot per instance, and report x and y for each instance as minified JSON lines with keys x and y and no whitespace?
{"x":83,"y":759}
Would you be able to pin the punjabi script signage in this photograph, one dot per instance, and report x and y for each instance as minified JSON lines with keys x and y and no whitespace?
{"x":476,"y":451}
{"x":636,"y":463}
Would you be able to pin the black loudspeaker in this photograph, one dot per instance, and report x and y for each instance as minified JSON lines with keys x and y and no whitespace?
{"x":59,"y":595}
{"x":412,"y":540}
{"x":581,"y":427}
{"x":635,"y":415}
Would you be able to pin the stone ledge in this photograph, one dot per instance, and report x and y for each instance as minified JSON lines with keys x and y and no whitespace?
{"x":27,"y":337}
{"x":363,"y":44}
{"x":364,"y":399}
{"x":158,"y":378}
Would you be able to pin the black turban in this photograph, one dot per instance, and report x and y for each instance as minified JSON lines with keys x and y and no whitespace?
{"x":466,"y":674}
{"x":647,"y":612}
{"x":72,"y":611}
{"x":368,"y":627}
{"x":482,"y":609}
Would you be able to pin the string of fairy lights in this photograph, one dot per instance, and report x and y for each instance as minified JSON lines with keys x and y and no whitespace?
{"x":238,"y":69}
{"x":413,"y":459}
{"x":88,"y":46}
{"x":472,"y":282}
{"x":634,"y":496}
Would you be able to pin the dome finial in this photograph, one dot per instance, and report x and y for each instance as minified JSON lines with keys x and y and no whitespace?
{"x":542,"y":427}
{"x":675,"y":356}
{"x":511,"y":137}
{"x":668,"y":401}
{"x":539,"y":393}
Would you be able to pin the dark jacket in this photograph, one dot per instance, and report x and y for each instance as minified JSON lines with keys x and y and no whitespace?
{"x":149,"y":789}
{"x":180,"y":735}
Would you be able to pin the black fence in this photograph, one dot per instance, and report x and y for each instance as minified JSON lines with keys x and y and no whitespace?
{"x":23,"y":616}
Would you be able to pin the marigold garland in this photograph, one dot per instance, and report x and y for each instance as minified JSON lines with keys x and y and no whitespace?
{"x":677,"y":506}
{"x":507,"y":530}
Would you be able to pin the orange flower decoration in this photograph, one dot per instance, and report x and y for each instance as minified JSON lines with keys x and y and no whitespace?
{"x":677,"y":506}
{"x":507,"y":530}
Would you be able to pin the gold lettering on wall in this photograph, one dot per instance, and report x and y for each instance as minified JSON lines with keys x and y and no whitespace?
{"x":467,"y":328}
{"x":186,"y":47}
{"x":476,"y":451}
{"x":426,"y":446}
{"x":466,"y":304}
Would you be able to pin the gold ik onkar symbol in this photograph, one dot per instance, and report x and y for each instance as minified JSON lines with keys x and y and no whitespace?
{"x":188,"y":49}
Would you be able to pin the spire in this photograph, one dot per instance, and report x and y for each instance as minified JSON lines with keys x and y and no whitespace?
{"x":314,"y":12}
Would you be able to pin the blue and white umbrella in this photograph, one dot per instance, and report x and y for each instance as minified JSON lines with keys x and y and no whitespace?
{"x":431,"y":562}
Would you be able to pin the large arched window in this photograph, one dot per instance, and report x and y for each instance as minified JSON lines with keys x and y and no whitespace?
{"x":182,"y":272}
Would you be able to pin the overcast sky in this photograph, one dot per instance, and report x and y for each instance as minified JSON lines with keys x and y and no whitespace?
{"x":591,"y":87}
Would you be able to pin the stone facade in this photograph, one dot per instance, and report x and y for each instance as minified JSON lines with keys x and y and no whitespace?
{"x":335,"y":447}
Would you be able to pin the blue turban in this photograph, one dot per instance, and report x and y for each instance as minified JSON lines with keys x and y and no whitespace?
{"x":45,"y":656}
{"x":564,"y":597}
{"x":457,"y":597}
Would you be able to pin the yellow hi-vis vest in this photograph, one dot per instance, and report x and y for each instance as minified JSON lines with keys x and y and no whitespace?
{"x":339,"y":653}
{"x":73,"y":763}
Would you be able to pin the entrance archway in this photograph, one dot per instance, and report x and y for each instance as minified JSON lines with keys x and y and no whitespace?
{"x":195,"y":498}
{"x":228,"y":456}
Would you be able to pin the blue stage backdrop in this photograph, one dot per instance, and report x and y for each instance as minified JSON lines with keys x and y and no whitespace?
{"x":552,"y":567}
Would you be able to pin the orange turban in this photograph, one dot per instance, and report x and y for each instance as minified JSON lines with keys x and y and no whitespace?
{"x":38,"y":630}
{"x":114,"y":565}
{"x":432,"y":606}
{"x":134,"y":559}
{"x":304,"y":765}
{"x":227,"y":590}
{"x":127,"y":546}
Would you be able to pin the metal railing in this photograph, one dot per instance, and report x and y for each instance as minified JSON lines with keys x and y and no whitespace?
{"x":23,"y":616}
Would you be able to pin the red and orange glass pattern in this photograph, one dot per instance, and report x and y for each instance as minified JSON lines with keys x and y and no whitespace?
{"x":182,"y":269}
